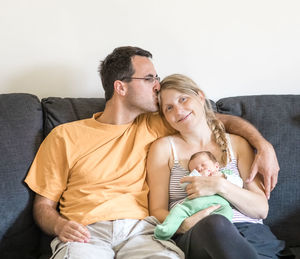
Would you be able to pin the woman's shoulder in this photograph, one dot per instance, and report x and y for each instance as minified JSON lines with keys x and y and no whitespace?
{"x":163,"y":141}
{"x":239,"y":144}
{"x":237,"y":140}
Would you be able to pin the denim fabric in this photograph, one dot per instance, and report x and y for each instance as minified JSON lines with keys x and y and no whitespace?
{"x":277,"y":117}
{"x":21,"y":126}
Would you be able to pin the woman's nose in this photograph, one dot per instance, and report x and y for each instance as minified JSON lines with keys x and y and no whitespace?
{"x":178,"y":109}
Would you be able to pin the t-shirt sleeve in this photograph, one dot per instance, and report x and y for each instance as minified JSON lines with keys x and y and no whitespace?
{"x":49,"y":171}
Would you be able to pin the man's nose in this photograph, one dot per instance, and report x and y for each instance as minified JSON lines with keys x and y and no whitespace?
{"x":156,"y":86}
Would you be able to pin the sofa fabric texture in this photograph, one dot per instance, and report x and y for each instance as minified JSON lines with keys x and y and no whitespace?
{"x":25,"y":121}
{"x":21,"y":128}
{"x":277,"y":117}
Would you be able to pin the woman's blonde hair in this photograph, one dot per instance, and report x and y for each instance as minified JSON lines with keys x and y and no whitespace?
{"x":184,"y":84}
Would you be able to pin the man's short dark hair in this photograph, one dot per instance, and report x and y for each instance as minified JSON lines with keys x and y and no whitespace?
{"x":117,"y":66}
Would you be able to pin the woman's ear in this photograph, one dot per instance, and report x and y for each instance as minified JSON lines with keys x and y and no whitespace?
{"x":120,"y":88}
{"x":217,"y":166}
{"x":201,"y":95}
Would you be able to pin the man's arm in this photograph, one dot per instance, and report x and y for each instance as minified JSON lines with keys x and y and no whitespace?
{"x":51,"y":222}
{"x":265,"y":161}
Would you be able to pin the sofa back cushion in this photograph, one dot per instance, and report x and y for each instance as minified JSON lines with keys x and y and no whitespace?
{"x":21,"y":123}
{"x":277,"y":117}
{"x":61,"y":110}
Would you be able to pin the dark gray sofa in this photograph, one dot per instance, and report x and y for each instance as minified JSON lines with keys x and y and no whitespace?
{"x":25,"y":121}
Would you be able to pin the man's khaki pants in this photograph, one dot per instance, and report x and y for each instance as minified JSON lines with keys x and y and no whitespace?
{"x":120,"y":239}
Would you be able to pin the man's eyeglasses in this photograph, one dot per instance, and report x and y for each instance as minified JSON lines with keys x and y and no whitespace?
{"x":149,"y":79}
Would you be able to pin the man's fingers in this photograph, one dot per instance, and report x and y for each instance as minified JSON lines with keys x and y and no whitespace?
{"x":274,"y":181}
{"x":84,"y":231}
{"x":267,"y":184}
{"x":68,"y":237}
{"x":74,"y":232}
{"x":253,"y":172}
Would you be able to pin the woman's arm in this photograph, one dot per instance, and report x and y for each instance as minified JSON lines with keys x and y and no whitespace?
{"x":265,"y":161}
{"x":250,"y":200}
{"x":158,"y":177}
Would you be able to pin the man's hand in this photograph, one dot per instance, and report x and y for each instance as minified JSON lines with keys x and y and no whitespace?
{"x":265,"y":161}
{"x":71,"y":231}
{"x":51,"y":222}
{"x":266,"y":164}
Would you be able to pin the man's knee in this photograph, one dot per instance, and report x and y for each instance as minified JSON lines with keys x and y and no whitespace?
{"x":75,"y":250}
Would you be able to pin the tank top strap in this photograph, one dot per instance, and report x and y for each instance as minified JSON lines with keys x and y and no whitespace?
{"x":230,"y":147}
{"x":173,"y":148}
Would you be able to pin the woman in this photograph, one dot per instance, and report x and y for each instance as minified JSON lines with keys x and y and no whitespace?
{"x":206,"y":235}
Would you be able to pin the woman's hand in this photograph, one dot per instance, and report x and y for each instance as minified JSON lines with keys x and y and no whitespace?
{"x":192,"y":220}
{"x":201,"y":185}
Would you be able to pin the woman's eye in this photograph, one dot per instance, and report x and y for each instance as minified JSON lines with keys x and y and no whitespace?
{"x":169,"y":108}
{"x":182,"y":99}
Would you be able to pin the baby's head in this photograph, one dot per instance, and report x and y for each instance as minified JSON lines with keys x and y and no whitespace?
{"x":203,"y":161}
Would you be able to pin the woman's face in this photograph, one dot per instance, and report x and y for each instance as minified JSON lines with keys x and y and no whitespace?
{"x":182,"y":111}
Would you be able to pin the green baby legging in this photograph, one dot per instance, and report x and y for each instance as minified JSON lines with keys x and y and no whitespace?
{"x":180,"y":212}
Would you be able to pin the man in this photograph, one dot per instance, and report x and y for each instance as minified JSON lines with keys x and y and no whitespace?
{"x":95,"y":168}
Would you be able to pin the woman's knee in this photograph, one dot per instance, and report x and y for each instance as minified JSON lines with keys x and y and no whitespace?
{"x":215,"y":225}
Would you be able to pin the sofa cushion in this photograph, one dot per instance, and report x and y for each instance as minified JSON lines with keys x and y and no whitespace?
{"x":61,"y":110}
{"x":277,"y":117}
{"x":21,"y":126}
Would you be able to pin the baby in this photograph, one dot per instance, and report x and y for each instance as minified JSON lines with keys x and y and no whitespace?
{"x":204,"y":163}
{"x":201,"y":164}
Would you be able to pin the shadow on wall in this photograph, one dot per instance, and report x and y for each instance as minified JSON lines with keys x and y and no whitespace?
{"x":45,"y":81}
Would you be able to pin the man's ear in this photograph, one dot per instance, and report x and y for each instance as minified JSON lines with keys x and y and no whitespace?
{"x":120,"y":88}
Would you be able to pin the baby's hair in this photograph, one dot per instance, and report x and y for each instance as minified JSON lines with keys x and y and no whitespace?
{"x":208,"y":153}
{"x":200,"y":153}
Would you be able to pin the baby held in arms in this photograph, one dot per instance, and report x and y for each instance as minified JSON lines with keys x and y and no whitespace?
{"x":201,"y":164}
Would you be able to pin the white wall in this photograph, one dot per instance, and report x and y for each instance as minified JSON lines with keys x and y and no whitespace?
{"x":229,"y":47}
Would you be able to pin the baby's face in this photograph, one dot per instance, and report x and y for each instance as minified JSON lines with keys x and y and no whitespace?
{"x":203,"y":163}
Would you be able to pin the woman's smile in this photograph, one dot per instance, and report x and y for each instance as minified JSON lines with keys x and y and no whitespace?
{"x":184,"y":118}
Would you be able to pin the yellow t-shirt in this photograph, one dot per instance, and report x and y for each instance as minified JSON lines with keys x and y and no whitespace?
{"x":96,"y":171}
